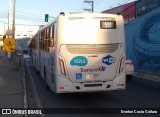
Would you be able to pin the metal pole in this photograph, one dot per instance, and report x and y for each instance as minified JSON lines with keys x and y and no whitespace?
{"x":92,"y":6}
{"x":4,"y":24}
{"x":9,"y":15}
{"x":15,"y":67}
{"x":8,"y":12}
{"x":13,"y":27}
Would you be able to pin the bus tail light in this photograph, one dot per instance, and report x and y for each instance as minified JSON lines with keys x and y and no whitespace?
{"x":130,"y":63}
{"x":122,"y":65}
{"x":61,"y":88}
{"x":62,"y":67}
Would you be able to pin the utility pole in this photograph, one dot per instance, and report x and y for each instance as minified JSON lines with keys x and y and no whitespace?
{"x":11,"y":33}
{"x":4,"y":24}
{"x":13,"y":27}
{"x":15,"y":67}
{"x":91,"y":2}
{"x":9,"y":13}
{"x":9,"y":18}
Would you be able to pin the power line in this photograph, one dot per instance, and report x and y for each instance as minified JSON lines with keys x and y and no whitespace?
{"x":29,"y":19}
{"x":28,"y":14}
{"x":80,"y":7}
{"x":28,"y":25}
{"x":25,"y":16}
{"x":98,"y":3}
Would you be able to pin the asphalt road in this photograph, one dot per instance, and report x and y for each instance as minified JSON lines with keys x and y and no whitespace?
{"x":140,"y":93}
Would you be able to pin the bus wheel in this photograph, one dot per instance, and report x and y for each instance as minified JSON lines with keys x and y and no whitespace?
{"x":37,"y":72}
{"x":45,"y":80}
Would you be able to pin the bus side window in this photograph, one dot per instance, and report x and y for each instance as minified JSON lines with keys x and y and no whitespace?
{"x":43,"y":41}
{"x":47,"y":40}
{"x":48,"y":37}
{"x":40,"y":41}
{"x":52,"y":36}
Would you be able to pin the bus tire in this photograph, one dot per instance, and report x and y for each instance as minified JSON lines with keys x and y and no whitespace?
{"x":45,"y":80}
{"x":37,"y":72}
{"x":129,"y":77}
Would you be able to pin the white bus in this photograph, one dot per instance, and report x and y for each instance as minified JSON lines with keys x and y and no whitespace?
{"x":81,"y":52}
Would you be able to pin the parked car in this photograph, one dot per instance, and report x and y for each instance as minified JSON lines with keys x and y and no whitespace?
{"x":129,"y":68}
{"x":26,"y":56}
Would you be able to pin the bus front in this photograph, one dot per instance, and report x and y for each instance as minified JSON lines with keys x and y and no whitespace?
{"x":90,"y":53}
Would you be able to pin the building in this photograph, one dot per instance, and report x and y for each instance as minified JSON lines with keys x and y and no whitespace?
{"x":23,"y":34}
{"x":134,"y":9}
{"x":22,"y":45}
{"x":22,"y":41}
{"x":126,"y":10}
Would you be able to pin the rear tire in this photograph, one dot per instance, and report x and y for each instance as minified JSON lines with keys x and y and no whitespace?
{"x":129,"y":77}
{"x":45,"y":80}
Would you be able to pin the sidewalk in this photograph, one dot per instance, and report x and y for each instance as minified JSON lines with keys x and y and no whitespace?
{"x":11,"y":85}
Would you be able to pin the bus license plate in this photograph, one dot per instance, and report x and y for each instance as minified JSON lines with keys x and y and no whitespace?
{"x":91,"y":76}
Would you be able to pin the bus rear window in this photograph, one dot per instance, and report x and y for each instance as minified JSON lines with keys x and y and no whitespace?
{"x":108,"y":24}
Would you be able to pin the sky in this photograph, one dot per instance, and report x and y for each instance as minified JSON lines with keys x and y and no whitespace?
{"x":30,"y":13}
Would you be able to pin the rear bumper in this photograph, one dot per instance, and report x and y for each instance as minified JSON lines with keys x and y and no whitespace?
{"x":129,"y":72}
{"x":66,"y":86}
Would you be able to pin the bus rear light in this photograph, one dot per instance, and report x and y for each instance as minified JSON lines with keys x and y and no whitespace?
{"x":122,"y":64}
{"x":62,"y":67}
{"x":130,"y":63}
{"x":62,"y":88}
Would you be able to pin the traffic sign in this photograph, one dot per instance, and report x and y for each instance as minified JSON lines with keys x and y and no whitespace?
{"x":9,"y":44}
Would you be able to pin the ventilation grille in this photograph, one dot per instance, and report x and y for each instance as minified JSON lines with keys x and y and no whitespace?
{"x":92,"y":49}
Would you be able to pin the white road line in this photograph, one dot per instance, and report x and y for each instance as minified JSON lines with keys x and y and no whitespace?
{"x":147,"y":78}
{"x":25,"y":92}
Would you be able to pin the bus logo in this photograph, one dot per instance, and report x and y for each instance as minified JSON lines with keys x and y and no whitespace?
{"x":98,"y":69}
{"x":108,"y":60}
{"x":79,"y":61}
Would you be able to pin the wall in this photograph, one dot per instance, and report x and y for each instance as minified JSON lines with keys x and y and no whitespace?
{"x":143,"y":41}
{"x":145,"y":6}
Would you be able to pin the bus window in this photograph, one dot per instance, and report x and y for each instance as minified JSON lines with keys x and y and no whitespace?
{"x":43,"y":42}
{"x":52,"y":36}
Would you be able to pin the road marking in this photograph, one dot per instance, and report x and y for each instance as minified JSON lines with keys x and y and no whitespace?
{"x":25,"y":91}
{"x":35,"y":90}
{"x":146,"y":78}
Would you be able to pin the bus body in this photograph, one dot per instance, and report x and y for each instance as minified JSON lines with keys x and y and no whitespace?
{"x":81,"y":52}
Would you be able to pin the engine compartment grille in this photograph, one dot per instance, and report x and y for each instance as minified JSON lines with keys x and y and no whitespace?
{"x":91,"y":49}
